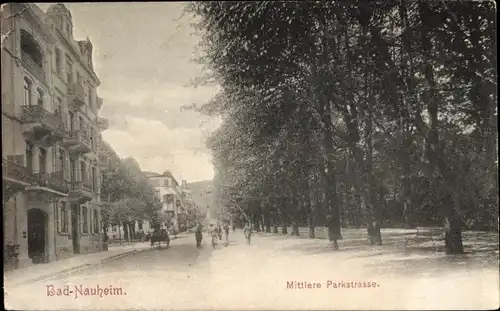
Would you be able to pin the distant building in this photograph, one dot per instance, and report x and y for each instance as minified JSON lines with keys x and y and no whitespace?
{"x":170,"y":194}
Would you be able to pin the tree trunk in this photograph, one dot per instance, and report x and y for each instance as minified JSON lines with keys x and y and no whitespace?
{"x":284,"y":229}
{"x":453,"y":239}
{"x":268,"y":224}
{"x":310,"y":225}
{"x":331,"y":182}
{"x":452,"y":227}
{"x":126,"y":232}
{"x":374,"y":234}
{"x":283,"y":217}
{"x":120,"y":233}
{"x":358,"y":209}
{"x":295,"y":229}
{"x":256,"y":223}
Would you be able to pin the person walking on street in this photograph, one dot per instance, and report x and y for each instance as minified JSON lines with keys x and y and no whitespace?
{"x":198,"y":235}
{"x":219,"y":231}
{"x":226,"y":232}
{"x":248,"y":233}
{"x":215,"y":235}
{"x":234,"y":227}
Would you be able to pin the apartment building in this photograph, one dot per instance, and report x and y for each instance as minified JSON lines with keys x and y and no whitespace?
{"x":169,"y":192}
{"x":50,"y":134}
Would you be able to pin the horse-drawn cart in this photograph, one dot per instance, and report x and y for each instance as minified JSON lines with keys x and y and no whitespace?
{"x":160,"y":236}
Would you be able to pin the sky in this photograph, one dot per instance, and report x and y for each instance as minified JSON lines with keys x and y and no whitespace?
{"x":143,"y":55}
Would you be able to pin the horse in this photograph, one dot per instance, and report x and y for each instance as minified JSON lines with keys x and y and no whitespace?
{"x":159,"y":237}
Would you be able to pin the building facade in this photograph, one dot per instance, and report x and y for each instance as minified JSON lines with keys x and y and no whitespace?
{"x":169,"y":192}
{"x":50,"y":134}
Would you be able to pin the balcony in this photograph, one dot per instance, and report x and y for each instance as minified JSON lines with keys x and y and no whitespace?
{"x":99,"y":103}
{"x":103,"y":123}
{"x":81,"y":191}
{"x":40,"y":126}
{"x":48,"y":187}
{"x":77,"y":142}
{"x":76,"y":95}
{"x":16,"y":177}
{"x":33,"y":67}
{"x":103,"y":162}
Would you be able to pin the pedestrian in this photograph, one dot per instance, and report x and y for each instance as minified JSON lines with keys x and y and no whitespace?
{"x":215,"y":235}
{"x":248,"y":232}
{"x":234,"y":227}
{"x":226,"y":231}
{"x":198,"y":235}
{"x":219,"y":232}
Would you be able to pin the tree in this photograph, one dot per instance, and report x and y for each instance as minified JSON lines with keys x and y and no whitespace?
{"x":389,"y":101}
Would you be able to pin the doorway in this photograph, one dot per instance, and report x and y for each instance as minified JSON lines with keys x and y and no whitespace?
{"x":37,"y":235}
{"x":75,"y":225}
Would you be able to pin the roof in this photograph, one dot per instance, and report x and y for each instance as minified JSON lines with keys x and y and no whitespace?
{"x":150,"y":174}
{"x":156,"y":175}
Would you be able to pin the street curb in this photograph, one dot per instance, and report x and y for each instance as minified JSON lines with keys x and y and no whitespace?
{"x":51,"y":276}
{"x":76,"y":268}
{"x":84,"y":266}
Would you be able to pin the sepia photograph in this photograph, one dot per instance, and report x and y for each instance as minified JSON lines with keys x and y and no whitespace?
{"x":250,"y":155}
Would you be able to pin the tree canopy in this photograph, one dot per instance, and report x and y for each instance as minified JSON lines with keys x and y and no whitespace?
{"x":375,"y":113}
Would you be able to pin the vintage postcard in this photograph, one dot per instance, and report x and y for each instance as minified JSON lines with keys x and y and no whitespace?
{"x":327,"y":155}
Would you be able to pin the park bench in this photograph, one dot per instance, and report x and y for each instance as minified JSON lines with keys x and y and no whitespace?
{"x":425,"y":234}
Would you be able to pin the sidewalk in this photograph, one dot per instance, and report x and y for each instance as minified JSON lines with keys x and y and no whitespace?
{"x":45,"y":271}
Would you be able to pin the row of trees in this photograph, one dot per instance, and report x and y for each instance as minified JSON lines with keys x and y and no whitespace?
{"x":126,"y":195}
{"x":376,"y":113}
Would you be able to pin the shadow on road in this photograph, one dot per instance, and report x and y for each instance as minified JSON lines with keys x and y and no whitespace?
{"x":393,"y":257}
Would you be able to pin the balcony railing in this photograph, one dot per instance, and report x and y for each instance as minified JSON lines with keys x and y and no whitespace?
{"x":53,"y":181}
{"x":78,"y":136}
{"x":17,"y":171}
{"x":81,"y":186}
{"x":32,"y":66}
{"x":38,"y":114}
{"x":103,"y":123}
